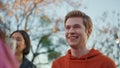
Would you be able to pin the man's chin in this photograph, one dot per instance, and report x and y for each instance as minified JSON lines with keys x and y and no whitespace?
{"x":72,"y":45}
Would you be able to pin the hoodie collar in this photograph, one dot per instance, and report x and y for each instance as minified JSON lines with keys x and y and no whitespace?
{"x":92,"y":53}
{"x":85,"y":58}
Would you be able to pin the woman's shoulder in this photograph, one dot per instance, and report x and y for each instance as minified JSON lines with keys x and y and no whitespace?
{"x":27,"y":64}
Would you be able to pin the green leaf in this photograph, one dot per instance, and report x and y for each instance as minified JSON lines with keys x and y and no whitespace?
{"x":53,"y":55}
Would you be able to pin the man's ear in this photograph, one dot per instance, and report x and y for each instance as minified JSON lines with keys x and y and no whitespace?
{"x":89,"y":32}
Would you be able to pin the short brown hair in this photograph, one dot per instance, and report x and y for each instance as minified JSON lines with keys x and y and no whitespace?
{"x":76,"y":13}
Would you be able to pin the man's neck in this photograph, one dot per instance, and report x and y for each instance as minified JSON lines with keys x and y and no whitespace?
{"x":79,"y":52}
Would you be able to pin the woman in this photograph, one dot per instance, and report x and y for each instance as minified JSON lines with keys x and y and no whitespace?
{"x":22,"y":48}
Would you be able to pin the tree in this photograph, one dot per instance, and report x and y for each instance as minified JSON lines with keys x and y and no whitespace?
{"x":34,"y":16}
{"x":108,"y":35}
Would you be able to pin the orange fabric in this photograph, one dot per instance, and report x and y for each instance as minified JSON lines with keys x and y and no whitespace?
{"x":94,"y":59}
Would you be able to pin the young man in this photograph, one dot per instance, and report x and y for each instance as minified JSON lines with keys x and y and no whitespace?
{"x":78,"y":27}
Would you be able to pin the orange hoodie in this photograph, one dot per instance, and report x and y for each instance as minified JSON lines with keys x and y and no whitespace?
{"x":94,"y":59}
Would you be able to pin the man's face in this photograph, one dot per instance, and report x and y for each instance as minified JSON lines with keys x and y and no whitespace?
{"x":75,"y":32}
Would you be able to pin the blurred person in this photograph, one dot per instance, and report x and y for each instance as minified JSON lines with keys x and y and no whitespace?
{"x":78,"y":28}
{"x":22,"y":48}
{"x":7,"y":58}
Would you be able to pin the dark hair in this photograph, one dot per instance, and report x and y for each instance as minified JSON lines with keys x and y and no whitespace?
{"x":27,"y":40}
{"x":3,"y":30}
{"x":76,"y":13}
{"x":2,"y":36}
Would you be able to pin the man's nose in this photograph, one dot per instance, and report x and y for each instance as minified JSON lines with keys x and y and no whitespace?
{"x":72,"y":30}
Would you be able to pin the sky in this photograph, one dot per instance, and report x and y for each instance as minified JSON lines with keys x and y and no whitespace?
{"x":93,"y":8}
{"x":97,"y":7}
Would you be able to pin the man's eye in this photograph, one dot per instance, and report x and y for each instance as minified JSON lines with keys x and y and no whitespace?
{"x":77,"y":26}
